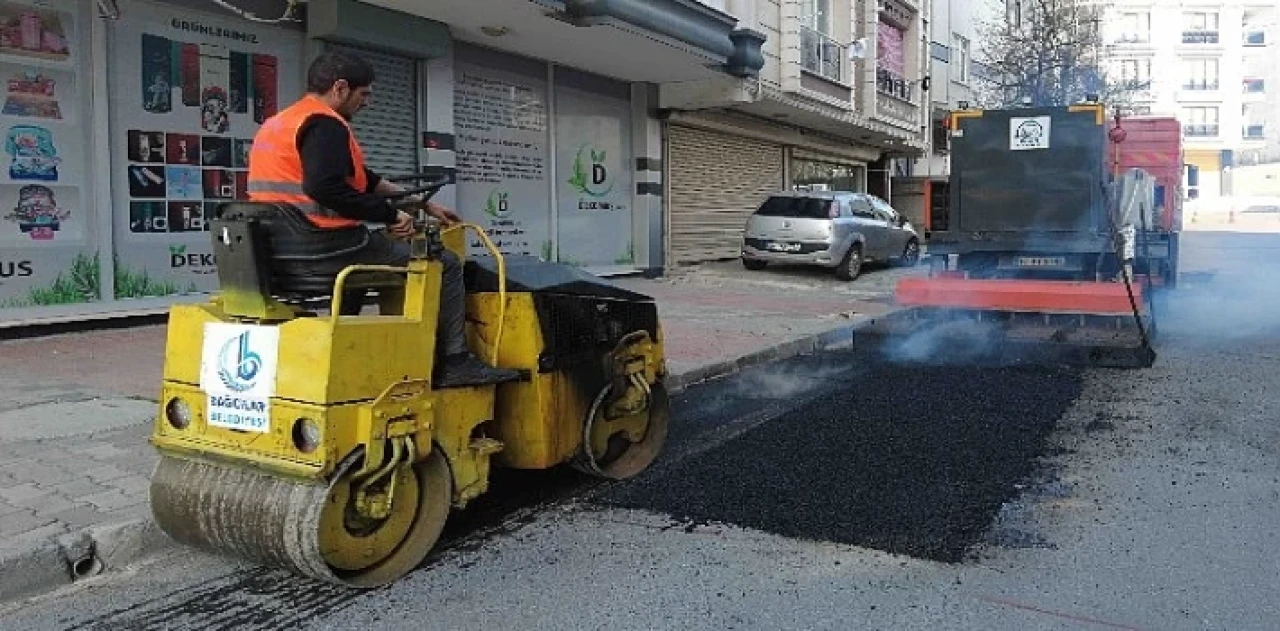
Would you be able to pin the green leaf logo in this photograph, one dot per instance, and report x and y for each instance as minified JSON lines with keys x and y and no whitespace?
{"x":177,"y":249}
{"x":592,"y":180}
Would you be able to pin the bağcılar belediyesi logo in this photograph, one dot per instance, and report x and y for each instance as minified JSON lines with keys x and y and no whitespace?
{"x":238,"y":364}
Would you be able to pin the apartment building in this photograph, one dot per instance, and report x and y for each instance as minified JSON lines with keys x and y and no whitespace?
{"x":1214,"y":65}
{"x":837,"y":96}
{"x":953,"y":67}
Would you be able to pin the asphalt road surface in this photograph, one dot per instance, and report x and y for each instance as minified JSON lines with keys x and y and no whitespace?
{"x":840,"y":492}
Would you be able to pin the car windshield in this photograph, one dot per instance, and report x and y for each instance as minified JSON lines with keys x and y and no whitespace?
{"x":795,"y":208}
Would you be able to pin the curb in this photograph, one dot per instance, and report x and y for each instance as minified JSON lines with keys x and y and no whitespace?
{"x":831,"y":339}
{"x":42,"y":561}
{"x":46,"y":563}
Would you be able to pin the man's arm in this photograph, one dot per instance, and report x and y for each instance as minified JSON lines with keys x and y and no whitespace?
{"x":326,"y":165}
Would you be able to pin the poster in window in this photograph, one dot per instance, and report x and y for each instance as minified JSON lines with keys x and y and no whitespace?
{"x":189,"y":91}
{"x":48,"y":249}
{"x":595,"y":179}
{"x":502,"y":157}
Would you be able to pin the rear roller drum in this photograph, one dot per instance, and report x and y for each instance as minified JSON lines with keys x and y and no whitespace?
{"x":309,"y":528}
{"x":621,"y":445}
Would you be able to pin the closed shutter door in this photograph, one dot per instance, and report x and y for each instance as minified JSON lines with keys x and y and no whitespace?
{"x":388,"y":128}
{"x":717,"y":181}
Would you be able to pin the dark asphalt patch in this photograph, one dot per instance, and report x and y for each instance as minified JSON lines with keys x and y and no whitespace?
{"x":905,"y":459}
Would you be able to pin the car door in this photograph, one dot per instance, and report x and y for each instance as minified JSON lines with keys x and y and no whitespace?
{"x":893,"y":238}
{"x":865,"y":223}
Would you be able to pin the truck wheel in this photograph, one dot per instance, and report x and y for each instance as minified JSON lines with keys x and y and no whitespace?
{"x":754,"y":265}
{"x":851,"y":265}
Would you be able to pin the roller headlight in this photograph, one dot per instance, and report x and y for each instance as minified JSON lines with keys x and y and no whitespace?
{"x":178,"y":413}
{"x":306,"y":435}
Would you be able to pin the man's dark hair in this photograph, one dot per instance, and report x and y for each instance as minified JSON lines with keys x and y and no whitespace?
{"x":333,"y":66}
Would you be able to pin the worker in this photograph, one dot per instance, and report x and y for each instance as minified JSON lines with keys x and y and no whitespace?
{"x":308,"y":156}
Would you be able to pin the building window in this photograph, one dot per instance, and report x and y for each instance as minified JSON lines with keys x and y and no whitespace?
{"x":1136,"y":72}
{"x":1201,"y":75}
{"x":891,"y":62}
{"x":1013,"y":12}
{"x":1135,"y":28}
{"x":1200,"y":122}
{"x":961,"y":47}
{"x":1200,"y":27}
{"x":820,"y":54}
{"x":1255,"y":86}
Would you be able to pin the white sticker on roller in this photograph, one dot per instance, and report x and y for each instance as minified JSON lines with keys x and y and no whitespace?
{"x":1029,"y":133}
{"x":238,"y":373}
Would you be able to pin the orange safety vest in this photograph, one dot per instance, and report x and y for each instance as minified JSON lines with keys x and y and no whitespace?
{"x":275,"y":166}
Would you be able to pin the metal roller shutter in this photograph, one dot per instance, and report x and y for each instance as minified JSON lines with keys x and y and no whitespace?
{"x":717,"y":181}
{"x":388,"y":128}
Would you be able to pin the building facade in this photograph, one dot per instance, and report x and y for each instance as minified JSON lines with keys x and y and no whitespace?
{"x":810,"y":119}
{"x":626,"y":136}
{"x":1214,"y":65}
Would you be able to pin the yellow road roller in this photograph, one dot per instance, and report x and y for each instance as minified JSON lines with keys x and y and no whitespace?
{"x":296,"y":436}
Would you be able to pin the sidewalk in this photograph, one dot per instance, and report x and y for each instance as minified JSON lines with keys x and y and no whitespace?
{"x":75,"y":409}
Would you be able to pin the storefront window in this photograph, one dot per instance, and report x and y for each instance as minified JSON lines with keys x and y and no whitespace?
{"x":594,"y":185}
{"x":500,"y":120}
{"x":188,"y":91}
{"x":48,"y":227}
{"x":826,"y":176}
{"x":504,"y":125}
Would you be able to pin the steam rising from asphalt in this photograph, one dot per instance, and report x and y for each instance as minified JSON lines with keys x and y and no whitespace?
{"x":1239,"y":302}
{"x":945,"y":342}
{"x":784,"y":381}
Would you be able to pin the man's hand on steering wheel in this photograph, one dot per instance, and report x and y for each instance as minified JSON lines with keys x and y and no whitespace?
{"x":403,"y":227}
{"x":443,"y":214}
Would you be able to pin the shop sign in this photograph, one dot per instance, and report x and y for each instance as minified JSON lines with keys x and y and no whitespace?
{"x":47,"y":228}
{"x":190,"y":92}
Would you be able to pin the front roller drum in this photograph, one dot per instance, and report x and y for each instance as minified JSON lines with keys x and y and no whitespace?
{"x":309,"y":528}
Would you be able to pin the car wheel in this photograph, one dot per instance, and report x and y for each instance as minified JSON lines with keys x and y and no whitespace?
{"x":910,"y":254}
{"x":753,"y":265}
{"x":851,"y":265}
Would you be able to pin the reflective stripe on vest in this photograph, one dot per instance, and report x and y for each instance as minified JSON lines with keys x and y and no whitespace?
{"x":275,"y":165}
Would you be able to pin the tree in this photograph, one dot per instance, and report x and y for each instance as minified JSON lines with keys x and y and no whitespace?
{"x":1051,"y":54}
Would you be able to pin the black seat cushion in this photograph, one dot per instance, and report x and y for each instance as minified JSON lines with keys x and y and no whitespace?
{"x":306,"y":259}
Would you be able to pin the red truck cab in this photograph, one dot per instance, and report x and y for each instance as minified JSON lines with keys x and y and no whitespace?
{"x":1154,"y":144}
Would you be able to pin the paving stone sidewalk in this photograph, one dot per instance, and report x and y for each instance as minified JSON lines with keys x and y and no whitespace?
{"x":75,"y":418}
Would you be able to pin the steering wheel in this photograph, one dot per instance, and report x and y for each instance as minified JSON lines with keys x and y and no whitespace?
{"x":433,"y":186}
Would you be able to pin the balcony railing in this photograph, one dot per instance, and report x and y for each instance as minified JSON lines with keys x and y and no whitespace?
{"x":1198,"y":36}
{"x":1132,"y":38}
{"x":1200,"y":86}
{"x":1255,"y":132}
{"x":890,"y":83}
{"x":822,"y":55}
{"x":1200,"y":131}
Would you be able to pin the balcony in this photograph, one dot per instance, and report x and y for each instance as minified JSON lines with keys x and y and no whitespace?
{"x":1201,"y":86}
{"x":895,"y":85}
{"x":822,"y":55}
{"x":1132,"y":39}
{"x":1203,"y":130}
{"x":1200,"y":36}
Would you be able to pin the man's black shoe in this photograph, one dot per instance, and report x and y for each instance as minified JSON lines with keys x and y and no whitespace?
{"x":465,"y":369}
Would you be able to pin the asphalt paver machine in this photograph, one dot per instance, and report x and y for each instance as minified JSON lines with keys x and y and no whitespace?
{"x":1048,"y":243}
